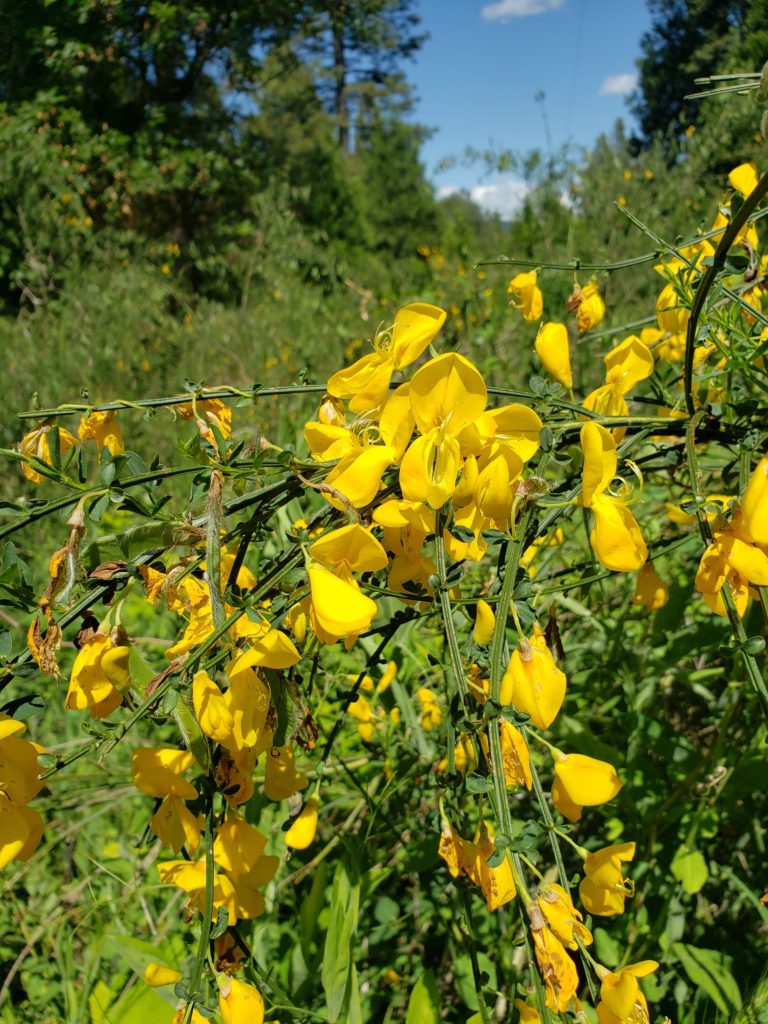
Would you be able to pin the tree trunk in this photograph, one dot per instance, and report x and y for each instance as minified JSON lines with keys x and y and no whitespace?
{"x":340,"y":77}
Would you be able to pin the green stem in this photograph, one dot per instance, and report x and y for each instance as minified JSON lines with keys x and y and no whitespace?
{"x":472,"y":948}
{"x":156,"y":403}
{"x":737,"y":222}
{"x":205,"y":929}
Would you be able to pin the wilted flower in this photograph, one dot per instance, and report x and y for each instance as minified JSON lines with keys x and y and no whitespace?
{"x":37,"y":444}
{"x":103,"y":428}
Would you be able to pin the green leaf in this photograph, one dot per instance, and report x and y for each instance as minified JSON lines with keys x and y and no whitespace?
{"x":690,"y":869}
{"x":424,"y":1004}
{"x":336,"y":972}
{"x":310,"y":910}
{"x":707,"y":970}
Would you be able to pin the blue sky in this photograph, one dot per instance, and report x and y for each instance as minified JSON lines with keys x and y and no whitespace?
{"x":477,"y":75}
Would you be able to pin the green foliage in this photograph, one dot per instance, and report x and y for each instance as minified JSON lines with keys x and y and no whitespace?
{"x":688,"y":39}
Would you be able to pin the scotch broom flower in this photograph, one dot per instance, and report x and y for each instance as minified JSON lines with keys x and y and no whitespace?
{"x":339,"y":608}
{"x":37,"y":444}
{"x":588,"y":305}
{"x":103,"y":428}
{"x":447,"y":394}
{"x":533,"y":682}
{"x":753,"y":518}
{"x":621,"y":1000}
{"x":366,"y":382}
{"x":552,"y":348}
{"x":484,"y":623}
{"x":625,"y":366}
{"x":557,"y":970}
{"x":239,"y":1002}
{"x":302,"y":832}
{"x":562,"y":917}
{"x":616,"y":538}
{"x":604,"y":888}
{"x":650,"y":590}
{"x":526,"y":291}
{"x":281,"y":778}
{"x":89,"y":685}
{"x":744,"y":178}
{"x":585,"y":781}
{"x":515,"y":756}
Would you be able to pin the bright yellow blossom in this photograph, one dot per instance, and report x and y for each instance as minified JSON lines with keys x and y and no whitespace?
{"x":552,"y":349}
{"x":526,"y":291}
{"x":650,"y":591}
{"x":616,"y":538}
{"x":447,"y":394}
{"x":604,"y":888}
{"x":533,"y":682}
{"x":366,"y":382}
{"x":302,"y":832}
{"x":621,"y":1001}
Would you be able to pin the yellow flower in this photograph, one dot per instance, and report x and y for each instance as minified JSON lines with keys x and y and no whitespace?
{"x":158,"y":772}
{"x":515,"y":756}
{"x":366,"y":382}
{"x":447,"y":394}
{"x":562,"y":917}
{"x":157,"y":975}
{"x":484,"y":623}
{"x":604,"y":889}
{"x":621,"y":1001}
{"x":528,"y":1014}
{"x":588,"y":306}
{"x":175,"y":825}
{"x":497,"y":884}
{"x":471,"y":859}
{"x":553,"y":350}
{"x":102,"y":427}
{"x":533,"y":682}
{"x":239,"y":1003}
{"x":650,"y":591}
{"x":235,"y":719}
{"x":616,"y":538}
{"x":558,"y":971}
{"x":339,"y":608}
{"x":584,"y":781}
{"x":210,"y":412}
{"x":524,"y":288}
{"x":671,"y":316}
{"x":744,"y":178}
{"x":37,"y":444}
{"x":753,"y":519}
{"x":89,"y":685}
{"x":21,"y":828}
{"x":358,"y":445}
{"x":281,"y":778}
{"x":626,"y":365}
{"x":302,"y":832}
{"x":431,"y":712}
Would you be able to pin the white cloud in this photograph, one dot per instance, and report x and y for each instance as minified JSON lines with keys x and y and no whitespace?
{"x":503,"y":196}
{"x":506,"y":9}
{"x":618,"y":85}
